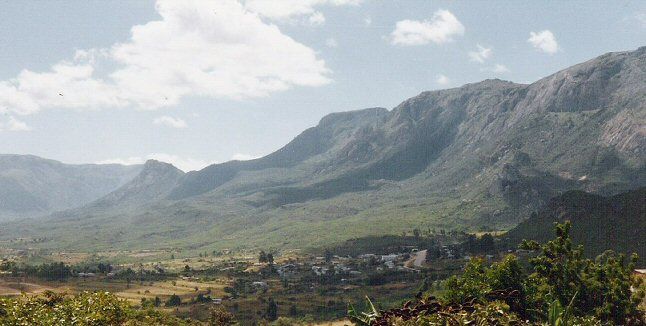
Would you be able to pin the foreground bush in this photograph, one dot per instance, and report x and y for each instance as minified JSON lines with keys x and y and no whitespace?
{"x":86,"y":309}
{"x":561,"y":288}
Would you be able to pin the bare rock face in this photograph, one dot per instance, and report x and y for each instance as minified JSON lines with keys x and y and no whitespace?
{"x":626,"y":132}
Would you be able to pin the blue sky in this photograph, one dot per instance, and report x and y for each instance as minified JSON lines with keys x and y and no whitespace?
{"x":197,"y":82}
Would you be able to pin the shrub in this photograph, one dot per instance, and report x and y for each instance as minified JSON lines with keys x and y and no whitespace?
{"x":97,"y":308}
{"x":561,"y":288}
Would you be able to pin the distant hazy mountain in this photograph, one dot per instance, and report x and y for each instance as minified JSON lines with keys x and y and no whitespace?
{"x":31,"y":186}
{"x":598,"y":223}
{"x":154,"y":182}
{"x":481,"y":156}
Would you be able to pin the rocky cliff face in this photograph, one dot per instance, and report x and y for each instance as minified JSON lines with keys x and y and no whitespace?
{"x":578,"y":123}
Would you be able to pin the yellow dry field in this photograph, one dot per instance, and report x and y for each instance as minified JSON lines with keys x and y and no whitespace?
{"x":493,"y":233}
{"x":13,"y":287}
{"x":70,"y":258}
{"x":163,"y":289}
{"x":184,"y":289}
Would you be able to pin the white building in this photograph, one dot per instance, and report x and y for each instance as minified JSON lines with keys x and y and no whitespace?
{"x":391,"y":257}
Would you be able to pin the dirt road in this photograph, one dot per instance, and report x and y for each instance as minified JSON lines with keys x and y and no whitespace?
{"x":420,"y":258}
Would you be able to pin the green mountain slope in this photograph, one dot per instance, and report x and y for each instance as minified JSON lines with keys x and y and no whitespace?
{"x":598,"y":223}
{"x":481,"y":156}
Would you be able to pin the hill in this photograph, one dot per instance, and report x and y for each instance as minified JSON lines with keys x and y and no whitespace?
{"x":478,"y":157}
{"x":152,"y":183}
{"x":32,"y":186}
{"x":598,"y":223}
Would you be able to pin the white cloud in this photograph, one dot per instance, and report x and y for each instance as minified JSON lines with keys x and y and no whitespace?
{"x":544,"y":41}
{"x":214,"y":49}
{"x":183,"y":163}
{"x":367,"y":21}
{"x":481,"y":54}
{"x":641,"y":19}
{"x":497,"y":68}
{"x":442,"y":27}
{"x":316,"y":19}
{"x":123,"y":161}
{"x":243,"y":157}
{"x":442,"y":80}
{"x":331,"y":43}
{"x":285,"y":10}
{"x":169,"y":121}
{"x":13,"y":124}
{"x":500,"y":68}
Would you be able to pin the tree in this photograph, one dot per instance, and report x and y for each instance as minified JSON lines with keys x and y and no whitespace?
{"x":270,"y":258}
{"x":433,"y":252}
{"x":426,"y":285}
{"x":99,"y":308}
{"x":560,"y":276}
{"x":601,"y":287}
{"x":476,"y":245}
{"x":201,"y":298}
{"x":486,"y":243}
{"x":262,"y":257}
{"x":272,"y":310}
{"x":173,"y":301}
{"x":221,"y":317}
{"x":157,"y":302}
{"x":293,"y":311}
{"x":328,"y":256}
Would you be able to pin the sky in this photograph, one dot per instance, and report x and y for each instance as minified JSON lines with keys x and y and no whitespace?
{"x":199,"y":82}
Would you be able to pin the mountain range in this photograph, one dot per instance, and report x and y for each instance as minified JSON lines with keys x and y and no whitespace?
{"x":478,"y":157}
{"x":31,"y":186}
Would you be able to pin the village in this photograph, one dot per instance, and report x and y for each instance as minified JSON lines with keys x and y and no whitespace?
{"x":296,"y":284}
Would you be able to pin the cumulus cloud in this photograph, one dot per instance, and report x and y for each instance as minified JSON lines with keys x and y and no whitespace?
{"x":331,"y":43}
{"x":169,"y":121}
{"x":442,"y":27}
{"x":243,"y":157}
{"x":638,"y":17}
{"x":215,"y":49}
{"x":497,"y":68}
{"x":316,"y":19}
{"x":185,"y":164}
{"x":544,"y":41}
{"x":442,"y":80}
{"x":286,"y":10}
{"x":481,"y":54}
{"x":13,"y":124}
{"x":500,"y":68}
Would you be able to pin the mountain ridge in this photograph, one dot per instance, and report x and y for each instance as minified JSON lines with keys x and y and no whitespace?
{"x":481,"y":156}
{"x":33,"y":186}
